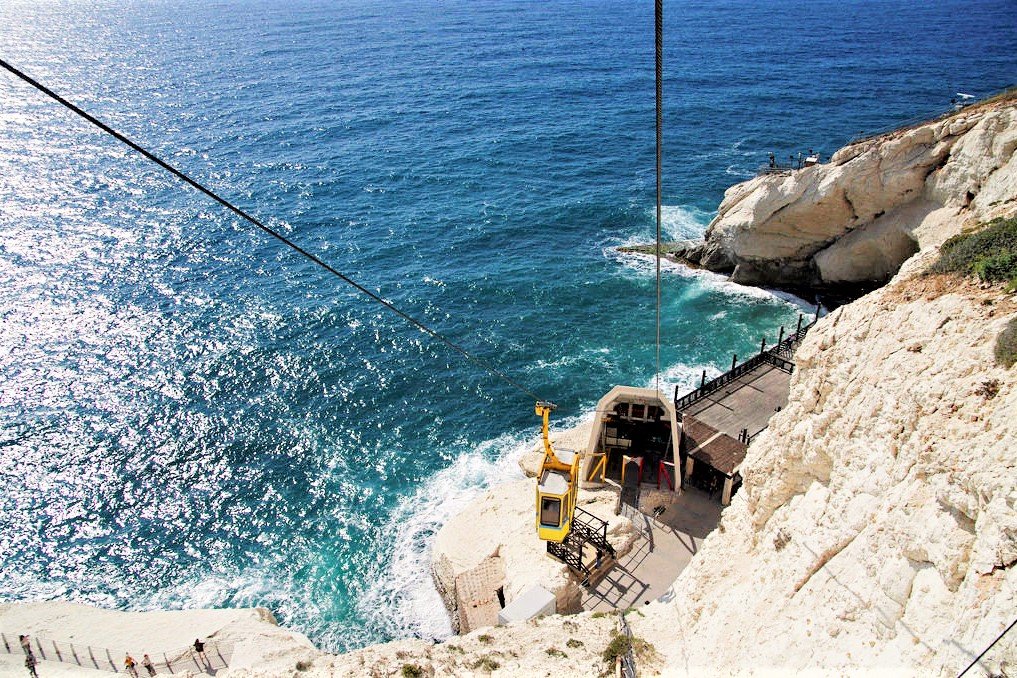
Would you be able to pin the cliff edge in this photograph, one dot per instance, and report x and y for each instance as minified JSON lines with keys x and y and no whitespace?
{"x":855,"y":220}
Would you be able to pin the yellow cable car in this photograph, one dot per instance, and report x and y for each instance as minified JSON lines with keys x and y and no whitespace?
{"x":557,"y":486}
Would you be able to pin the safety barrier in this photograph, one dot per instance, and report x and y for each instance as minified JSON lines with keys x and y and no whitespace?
{"x":217,"y":655}
{"x":779,"y":356}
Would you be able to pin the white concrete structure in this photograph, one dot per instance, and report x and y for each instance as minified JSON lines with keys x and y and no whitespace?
{"x":535,"y":602}
{"x":643,"y":399}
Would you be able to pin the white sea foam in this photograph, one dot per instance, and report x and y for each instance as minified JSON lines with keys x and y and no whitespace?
{"x":401,"y":597}
{"x":739,"y":171}
{"x":645,"y":265}
{"x":682,"y":376}
{"x":681,"y":222}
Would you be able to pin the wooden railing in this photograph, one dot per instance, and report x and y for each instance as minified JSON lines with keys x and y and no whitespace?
{"x":779,"y":356}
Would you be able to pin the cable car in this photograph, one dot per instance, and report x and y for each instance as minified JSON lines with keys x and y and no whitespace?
{"x":557,"y":486}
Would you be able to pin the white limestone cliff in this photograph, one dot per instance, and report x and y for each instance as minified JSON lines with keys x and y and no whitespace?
{"x":857,"y":218}
{"x":877,"y":527}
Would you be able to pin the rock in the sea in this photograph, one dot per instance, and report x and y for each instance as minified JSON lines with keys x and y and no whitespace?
{"x":857,"y":218}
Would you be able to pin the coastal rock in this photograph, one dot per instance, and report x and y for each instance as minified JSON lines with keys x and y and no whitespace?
{"x":249,"y":637}
{"x":877,"y":527}
{"x":547,"y":646}
{"x":857,"y":218}
{"x":492,"y":546}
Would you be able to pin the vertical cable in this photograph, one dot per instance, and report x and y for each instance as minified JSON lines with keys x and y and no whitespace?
{"x":659,"y":44}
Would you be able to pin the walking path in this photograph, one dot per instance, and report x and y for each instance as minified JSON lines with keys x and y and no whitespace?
{"x":746,"y":403}
{"x":665,"y":548}
{"x":103,"y":659}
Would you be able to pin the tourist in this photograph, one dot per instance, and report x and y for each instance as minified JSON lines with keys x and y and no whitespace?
{"x":26,"y":645}
{"x":131,"y":665}
{"x":147,"y":663}
{"x":199,"y":649}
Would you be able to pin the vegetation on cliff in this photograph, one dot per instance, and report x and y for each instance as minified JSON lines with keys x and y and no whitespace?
{"x":989,"y":253}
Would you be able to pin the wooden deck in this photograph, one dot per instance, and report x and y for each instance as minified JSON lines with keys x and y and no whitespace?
{"x":748,"y":402}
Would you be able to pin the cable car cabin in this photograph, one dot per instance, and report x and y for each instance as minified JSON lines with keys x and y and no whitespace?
{"x":556,"y":495}
{"x":557,"y":485}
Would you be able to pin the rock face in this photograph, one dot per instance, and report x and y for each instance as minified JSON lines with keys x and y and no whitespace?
{"x":857,"y":218}
{"x":877,"y":527}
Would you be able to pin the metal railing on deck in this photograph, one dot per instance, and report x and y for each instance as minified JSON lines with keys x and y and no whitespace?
{"x":105,"y":659}
{"x":779,"y":356}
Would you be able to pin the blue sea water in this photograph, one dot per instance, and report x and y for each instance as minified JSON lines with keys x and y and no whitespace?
{"x":191,"y":415}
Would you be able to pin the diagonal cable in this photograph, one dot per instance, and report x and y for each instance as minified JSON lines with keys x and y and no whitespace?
{"x":270,"y":231}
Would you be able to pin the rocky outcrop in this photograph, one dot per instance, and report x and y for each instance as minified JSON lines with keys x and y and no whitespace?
{"x":857,"y":218}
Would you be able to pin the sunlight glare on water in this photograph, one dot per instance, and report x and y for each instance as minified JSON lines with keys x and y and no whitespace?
{"x":193,"y":416}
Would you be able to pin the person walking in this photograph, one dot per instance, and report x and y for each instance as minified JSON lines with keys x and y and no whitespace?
{"x":147,"y":663}
{"x":199,"y":649}
{"x":26,"y":645}
{"x":30,"y":665}
{"x":131,"y":665}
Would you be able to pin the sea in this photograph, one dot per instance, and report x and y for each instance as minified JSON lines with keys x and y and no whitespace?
{"x":192,"y":415}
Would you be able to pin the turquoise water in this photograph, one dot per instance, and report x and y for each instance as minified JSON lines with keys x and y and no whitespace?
{"x":192,"y":416}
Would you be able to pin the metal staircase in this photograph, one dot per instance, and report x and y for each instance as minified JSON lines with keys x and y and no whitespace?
{"x":587,"y":529}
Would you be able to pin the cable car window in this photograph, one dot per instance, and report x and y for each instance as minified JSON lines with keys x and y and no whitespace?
{"x":550,"y":511}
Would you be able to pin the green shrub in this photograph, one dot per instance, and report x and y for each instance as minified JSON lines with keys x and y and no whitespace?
{"x":485,"y":638}
{"x":303,"y":665}
{"x":1006,"y":345}
{"x":990,"y":254}
{"x":1001,"y":266}
{"x":412,"y":671}
{"x":618,"y":647}
{"x":573,"y":643}
{"x":555,"y":652}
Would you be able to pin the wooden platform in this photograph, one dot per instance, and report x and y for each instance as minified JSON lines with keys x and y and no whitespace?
{"x":748,"y":402}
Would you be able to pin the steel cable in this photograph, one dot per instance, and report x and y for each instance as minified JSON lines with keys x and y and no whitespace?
{"x":270,"y":231}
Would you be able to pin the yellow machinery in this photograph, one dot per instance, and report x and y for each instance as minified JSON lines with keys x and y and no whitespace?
{"x":557,"y":486}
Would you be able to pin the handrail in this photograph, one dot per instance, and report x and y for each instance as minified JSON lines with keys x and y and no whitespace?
{"x":778,"y":356}
{"x":628,"y":660}
{"x":103,"y":659}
